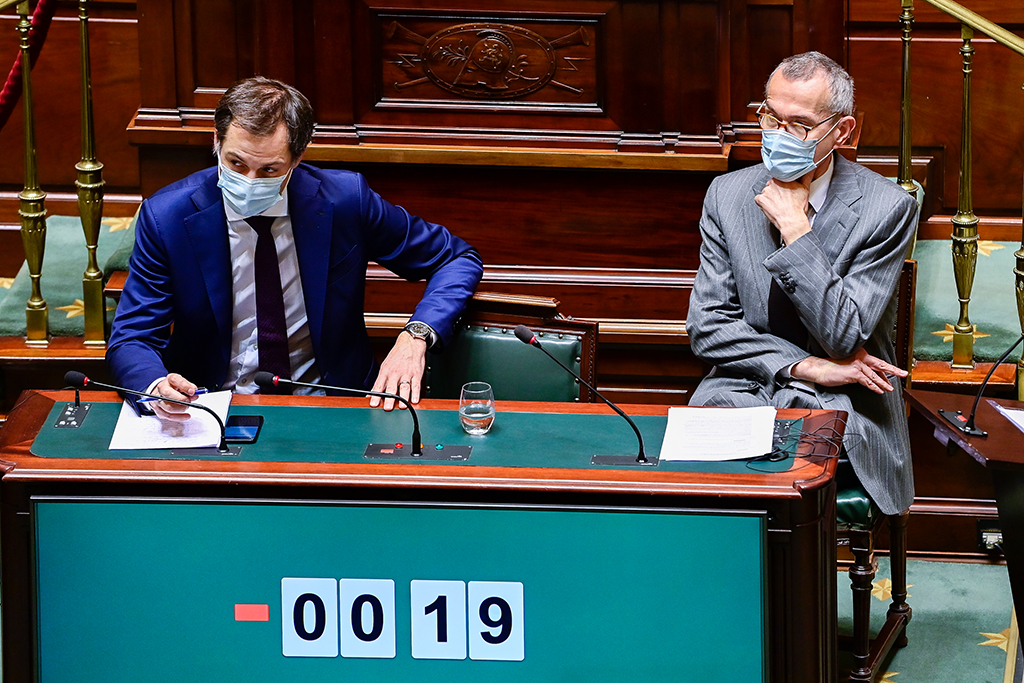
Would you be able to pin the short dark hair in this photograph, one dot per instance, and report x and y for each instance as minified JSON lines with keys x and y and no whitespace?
{"x":804,"y":67}
{"x":259,"y":104}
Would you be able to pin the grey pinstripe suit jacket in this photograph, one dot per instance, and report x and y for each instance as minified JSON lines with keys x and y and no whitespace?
{"x":841,"y":277}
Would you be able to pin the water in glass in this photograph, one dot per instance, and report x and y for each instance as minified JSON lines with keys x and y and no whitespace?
{"x":476,"y":408}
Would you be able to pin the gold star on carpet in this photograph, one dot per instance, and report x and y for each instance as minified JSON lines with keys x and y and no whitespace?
{"x":119,"y":224}
{"x":887,"y":677}
{"x":6,"y":282}
{"x":986,"y":247}
{"x":77,"y":308}
{"x":882,"y":589}
{"x":947,"y":334}
{"x":997,"y":639}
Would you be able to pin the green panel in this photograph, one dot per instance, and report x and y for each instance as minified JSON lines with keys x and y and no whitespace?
{"x":318,"y":434}
{"x":133,"y":591}
{"x":515,"y":371}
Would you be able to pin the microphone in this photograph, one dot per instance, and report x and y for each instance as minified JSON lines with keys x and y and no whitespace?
{"x":525,"y":335}
{"x":77,"y":380}
{"x":266,"y":380}
{"x":966,"y":425}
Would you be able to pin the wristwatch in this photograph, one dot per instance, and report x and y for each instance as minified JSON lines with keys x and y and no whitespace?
{"x":420,"y":330}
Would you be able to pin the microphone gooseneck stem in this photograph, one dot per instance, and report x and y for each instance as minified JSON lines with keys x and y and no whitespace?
{"x":977,"y":399}
{"x":641,"y":455}
{"x":417,"y":446}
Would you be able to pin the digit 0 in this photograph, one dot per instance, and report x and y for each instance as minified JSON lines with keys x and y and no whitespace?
{"x":319,"y":616}
{"x":376,"y":618}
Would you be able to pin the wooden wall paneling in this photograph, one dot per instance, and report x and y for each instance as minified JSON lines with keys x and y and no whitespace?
{"x":556,"y":217}
{"x":56,"y":89}
{"x":641,"y":69}
{"x":887,"y":12}
{"x":165,"y":65}
{"x":739,"y":60}
{"x":220,"y":36}
{"x":331,"y":67}
{"x":157,"y":30}
{"x":273,"y":39}
{"x":421,"y":73}
{"x":692,"y":95}
{"x":660,"y":295}
{"x":936,"y":110}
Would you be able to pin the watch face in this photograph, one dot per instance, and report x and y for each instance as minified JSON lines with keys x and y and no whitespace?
{"x":418,"y":330}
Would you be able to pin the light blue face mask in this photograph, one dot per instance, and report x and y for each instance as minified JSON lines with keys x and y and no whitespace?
{"x":787,"y":157}
{"x":249,"y":196}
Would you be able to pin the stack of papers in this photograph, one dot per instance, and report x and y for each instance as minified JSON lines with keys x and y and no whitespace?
{"x":716,"y":434}
{"x":133,"y":432}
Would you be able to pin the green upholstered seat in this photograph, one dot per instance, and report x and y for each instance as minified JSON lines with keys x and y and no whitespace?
{"x":855,"y":509}
{"x":491,"y":353}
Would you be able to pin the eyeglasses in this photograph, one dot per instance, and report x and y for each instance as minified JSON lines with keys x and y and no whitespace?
{"x":798,"y":130}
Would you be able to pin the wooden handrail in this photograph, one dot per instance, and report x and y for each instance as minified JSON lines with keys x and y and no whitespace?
{"x":980,"y":23}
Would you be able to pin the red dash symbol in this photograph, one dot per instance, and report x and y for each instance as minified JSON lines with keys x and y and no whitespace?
{"x":252,"y":612}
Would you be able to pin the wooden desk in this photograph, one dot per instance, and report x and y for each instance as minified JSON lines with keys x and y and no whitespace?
{"x":795,"y":506}
{"x":1002,"y":452}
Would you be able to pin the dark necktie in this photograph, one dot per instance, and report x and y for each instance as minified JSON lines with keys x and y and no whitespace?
{"x":271,"y":328}
{"x":783,"y":319}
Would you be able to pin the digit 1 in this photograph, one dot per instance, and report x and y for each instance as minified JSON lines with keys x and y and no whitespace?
{"x":441,"y":607}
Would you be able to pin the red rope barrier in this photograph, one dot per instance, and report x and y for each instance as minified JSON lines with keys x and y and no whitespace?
{"x":11,"y":92}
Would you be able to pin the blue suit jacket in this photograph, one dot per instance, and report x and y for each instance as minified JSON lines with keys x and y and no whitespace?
{"x":175,"y":311}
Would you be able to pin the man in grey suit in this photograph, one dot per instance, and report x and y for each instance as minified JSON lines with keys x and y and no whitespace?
{"x":800,"y":256}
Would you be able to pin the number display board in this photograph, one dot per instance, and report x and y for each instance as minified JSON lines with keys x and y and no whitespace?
{"x":181,"y":591}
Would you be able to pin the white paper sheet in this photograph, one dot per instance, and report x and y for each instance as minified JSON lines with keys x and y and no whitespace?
{"x":150,"y":432}
{"x":715,"y":434}
{"x":1014,"y":415}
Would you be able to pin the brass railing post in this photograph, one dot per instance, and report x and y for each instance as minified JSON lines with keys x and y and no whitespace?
{"x":965,"y":223}
{"x":905,"y":173}
{"x":90,"y":198}
{"x":1018,"y":277}
{"x":32,"y":207}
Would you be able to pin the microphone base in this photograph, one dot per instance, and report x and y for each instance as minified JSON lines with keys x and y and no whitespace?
{"x":212,"y":451}
{"x":392,"y":451}
{"x":72,"y":416}
{"x":623,"y":461}
{"x":959,"y":422}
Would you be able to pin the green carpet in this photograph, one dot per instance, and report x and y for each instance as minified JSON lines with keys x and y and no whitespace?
{"x":993,"y":308}
{"x":64,"y":261}
{"x":959,"y":627}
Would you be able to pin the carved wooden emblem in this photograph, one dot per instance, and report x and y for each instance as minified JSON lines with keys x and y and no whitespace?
{"x":484,"y":60}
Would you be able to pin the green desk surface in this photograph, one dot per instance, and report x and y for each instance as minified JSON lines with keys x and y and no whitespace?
{"x":340,"y":435}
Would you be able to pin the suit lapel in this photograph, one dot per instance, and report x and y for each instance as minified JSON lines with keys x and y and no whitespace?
{"x":208,"y":237}
{"x":836,"y":220}
{"x":311,"y":226}
{"x":761,"y":244}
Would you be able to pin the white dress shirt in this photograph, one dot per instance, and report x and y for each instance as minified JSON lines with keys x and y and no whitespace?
{"x":244,"y":362}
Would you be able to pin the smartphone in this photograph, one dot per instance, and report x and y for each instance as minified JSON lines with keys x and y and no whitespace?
{"x":243,"y":428}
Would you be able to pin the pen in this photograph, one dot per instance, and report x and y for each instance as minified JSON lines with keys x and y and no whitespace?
{"x":200,"y":390}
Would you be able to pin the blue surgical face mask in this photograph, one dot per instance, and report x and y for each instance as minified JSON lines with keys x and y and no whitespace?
{"x":787,"y":157}
{"x":249,"y":196}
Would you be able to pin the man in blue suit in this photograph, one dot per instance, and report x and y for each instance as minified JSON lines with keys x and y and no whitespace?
{"x":204,"y":304}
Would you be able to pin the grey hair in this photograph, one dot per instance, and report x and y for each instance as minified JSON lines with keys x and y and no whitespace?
{"x":259,"y":104}
{"x":804,"y":67}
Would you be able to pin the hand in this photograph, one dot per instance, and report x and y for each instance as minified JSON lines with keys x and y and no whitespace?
{"x":177,"y":387}
{"x":401,"y":371}
{"x":860,"y":368}
{"x":785,"y":205}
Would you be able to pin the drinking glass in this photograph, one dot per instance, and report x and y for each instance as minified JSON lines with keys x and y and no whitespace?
{"x":476,"y":408}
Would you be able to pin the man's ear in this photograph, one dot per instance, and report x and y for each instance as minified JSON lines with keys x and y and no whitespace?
{"x":845,"y":129}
